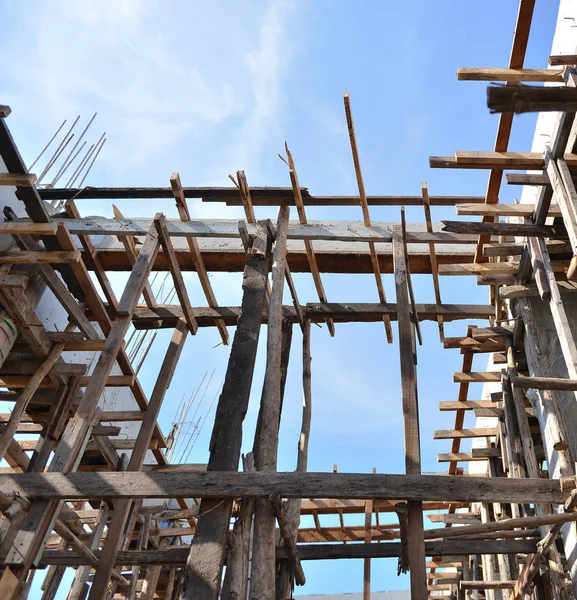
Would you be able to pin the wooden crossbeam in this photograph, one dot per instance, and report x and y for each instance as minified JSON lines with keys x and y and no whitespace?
{"x":17,"y":179}
{"x":510,"y":75}
{"x":17,"y":257}
{"x":178,"y":556}
{"x":450,"y":434}
{"x":78,"y":486}
{"x":495,"y":160}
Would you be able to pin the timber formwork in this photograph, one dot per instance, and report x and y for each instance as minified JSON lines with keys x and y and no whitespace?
{"x":70,"y":499}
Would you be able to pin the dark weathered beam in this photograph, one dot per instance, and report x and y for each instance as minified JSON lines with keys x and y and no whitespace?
{"x":168,"y":315}
{"x":523,"y":99}
{"x":261,"y":196}
{"x":77,"y":486}
{"x":203,"y":572}
{"x":177,"y":556}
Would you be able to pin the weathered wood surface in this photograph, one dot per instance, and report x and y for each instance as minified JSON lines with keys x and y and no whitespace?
{"x":203,"y":571}
{"x":177,"y":556}
{"x":505,"y":229}
{"x":167,"y":315}
{"x":510,"y":75}
{"x":344,"y":231}
{"x":465,"y":159}
{"x":524,"y":99}
{"x":74,"y":486}
{"x":260,"y":196}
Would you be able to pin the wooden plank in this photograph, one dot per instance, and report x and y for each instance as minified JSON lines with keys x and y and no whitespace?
{"x":207,"y":551}
{"x":179,"y":285}
{"x":499,"y":268}
{"x":351,"y":231}
{"x":448,"y":434}
{"x":309,"y":248}
{"x":544,"y":383}
{"x":27,"y":228}
{"x":266,"y":438}
{"x":465,"y":159}
{"x":17,"y":179}
{"x":432,"y":254}
{"x":195,"y":252}
{"x":177,"y":556}
{"x":365,"y":209}
{"x":510,"y":75}
{"x":260,"y":196}
{"x":557,"y":60}
{"x":466,"y":405}
{"x":525,"y":99}
{"x":18,"y":257}
{"x":408,"y":357}
{"x":77,"y":486}
{"x":167,"y":315}
{"x":477,"y":376}
{"x":504,"y":229}
{"x":454,"y":457}
{"x":504,"y":210}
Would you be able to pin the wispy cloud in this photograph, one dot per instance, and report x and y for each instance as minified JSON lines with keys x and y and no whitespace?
{"x":167,"y":79}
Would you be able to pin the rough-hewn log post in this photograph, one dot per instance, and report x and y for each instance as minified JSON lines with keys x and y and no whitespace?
{"x":263,"y":574}
{"x":207,"y":553}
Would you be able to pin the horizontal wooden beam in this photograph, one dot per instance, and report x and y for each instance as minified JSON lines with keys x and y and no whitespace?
{"x":504,"y":210}
{"x":510,"y":75}
{"x":450,"y":434}
{"x":504,"y":229}
{"x":342,"y":231}
{"x":558,"y":60}
{"x":178,"y":556}
{"x":545,"y":383}
{"x":73,"y":486}
{"x":524,"y":99}
{"x":477,"y":376}
{"x":465,"y":405}
{"x":17,"y":179}
{"x":465,"y":159}
{"x":168,"y":315}
{"x":17,"y":257}
{"x":260,"y":196}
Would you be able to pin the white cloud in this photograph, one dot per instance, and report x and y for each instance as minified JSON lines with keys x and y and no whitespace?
{"x":167,"y":79}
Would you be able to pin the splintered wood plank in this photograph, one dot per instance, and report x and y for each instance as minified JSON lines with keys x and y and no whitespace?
{"x":365,"y":210}
{"x":510,"y":75}
{"x":199,"y":266}
{"x":179,"y":285}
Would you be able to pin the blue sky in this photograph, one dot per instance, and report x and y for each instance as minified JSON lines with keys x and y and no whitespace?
{"x":207,"y":88}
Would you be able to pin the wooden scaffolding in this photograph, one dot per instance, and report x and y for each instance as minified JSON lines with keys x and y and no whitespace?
{"x":72,"y":498}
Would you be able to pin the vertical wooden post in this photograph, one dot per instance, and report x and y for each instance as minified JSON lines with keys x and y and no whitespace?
{"x":207,"y":553}
{"x":263,"y":574}
{"x":407,"y":351}
{"x":284,"y":577}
